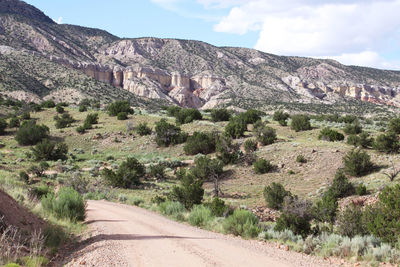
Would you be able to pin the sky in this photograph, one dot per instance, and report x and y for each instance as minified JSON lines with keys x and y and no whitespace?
{"x":354,"y":32}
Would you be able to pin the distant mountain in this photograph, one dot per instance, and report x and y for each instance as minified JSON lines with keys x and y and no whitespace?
{"x":42,"y":59}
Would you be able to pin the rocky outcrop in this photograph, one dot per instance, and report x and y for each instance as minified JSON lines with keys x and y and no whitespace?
{"x":189,"y":73}
{"x":363,"y":92}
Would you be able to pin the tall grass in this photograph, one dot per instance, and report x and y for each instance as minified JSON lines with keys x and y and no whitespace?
{"x":200,"y":216}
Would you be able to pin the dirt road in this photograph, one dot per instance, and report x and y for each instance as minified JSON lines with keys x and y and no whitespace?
{"x":125,"y":235}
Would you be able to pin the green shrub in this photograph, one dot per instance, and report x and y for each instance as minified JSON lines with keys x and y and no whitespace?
{"x":206,"y":168}
{"x":236,"y":127}
{"x":262,"y":166}
{"x":47,"y":150}
{"x":200,"y":216}
{"x":350,"y":223}
{"x":127,"y":175}
{"x":352,"y":128}
{"x":331,"y":135}
{"x":341,"y":187}
{"x":168,"y":134}
{"x":64,"y":121}
{"x":142,"y":129}
{"x":82,"y":108}
{"x":59,"y":109}
{"x":122,"y":116}
{"x":282,"y":123}
{"x":280,"y":116}
{"x":382,"y":219}
{"x":300,"y":123}
{"x":293,"y":222}
{"x":265,"y":135}
{"x":40,"y":191}
{"x":190,"y":192}
{"x":200,"y":143}
{"x":39,"y":170}
{"x":361,"y":190}
{"x":394,"y":125}
{"x":13,"y":123}
{"x":25,"y":116}
{"x":157,"y":171}
{"x":48,"y":104}
{"x":388,"y":143}
{"x":250,"y":146}
{"x":275,"y":195}
{"x":23,"y":176}
{"x":220,"y":115}
{"x":92,"y":118}
{"x":135,"y":200}
{"x":296,"y":215}
{"x":81,"y":129}
{"x":357,"y":163}
{"x":68,"y":204}
{"x":119,"y":106}
{"x":325,"y":209}
{"x":353,"y":140}
{"x":227,"y":151}
{"x":174,"y":209}
{"x":30,"y":134}
{"x":301,"y":159}
{"x":365,"y":140}
{"x":217,"y":207}
{"x":251,"y":116}
{"x":173,"y":111}
{"x":241,"y":223}
{"x":187,"y":115}
{"x":3,"y":126}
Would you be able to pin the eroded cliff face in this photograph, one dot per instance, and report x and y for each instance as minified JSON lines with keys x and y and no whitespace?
{"x":189,"y":73}
{"x":155,"y":83}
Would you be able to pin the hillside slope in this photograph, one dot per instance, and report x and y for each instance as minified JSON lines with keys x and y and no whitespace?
{"x":189,"y":73}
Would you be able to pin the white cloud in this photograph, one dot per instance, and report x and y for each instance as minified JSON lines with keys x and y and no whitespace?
{"x":352,"y":31}
{"x":59,"y":20}
{"x":366,"y":58}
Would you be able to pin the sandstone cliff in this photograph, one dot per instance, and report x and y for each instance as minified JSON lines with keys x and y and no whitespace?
{"x":188,"y":73}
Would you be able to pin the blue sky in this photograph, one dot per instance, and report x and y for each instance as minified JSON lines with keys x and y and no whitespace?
{"x":144,"y":18}
{"x":356,"y":32}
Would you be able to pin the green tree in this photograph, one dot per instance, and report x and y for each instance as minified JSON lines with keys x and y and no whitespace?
{"x":190,"y":192}
{"x":47,"y":150}
{"x":200,"y":143}
{"x":357,"y":163}
{"x":275,"y":195}
{"x":236,"y":127}
{"x":388,"y":143}
{"x":30,"y":133}
{"x":118,"y":107}
{"x":168,"y":134}
{"x":220,"y":115}
{"x":3,"y":126}
{"x":300,"y":123}
{"x":265,"y":135}
{"x":128,"y":174}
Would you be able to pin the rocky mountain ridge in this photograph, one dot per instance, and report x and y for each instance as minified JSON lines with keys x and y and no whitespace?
{"x":188,"y":73}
